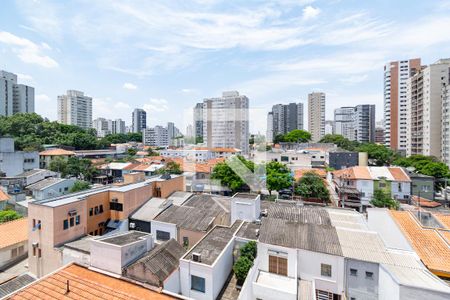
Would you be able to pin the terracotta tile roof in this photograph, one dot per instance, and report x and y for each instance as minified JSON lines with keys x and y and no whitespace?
{"x":299,"y":173}
{"x":444,"y":219}
{"x":354,"y":173}
{"x":131,"y":167}
{"x":190,"y":166}
{"x":399,"y":174}
{"x":431,"y":247}
{"x":56,"y":152}
{"x":85,"y":284}
{"x":13,"y":232}
{"x":4,"y":196}
{"x":424,"y":202}
{"x":150,"y":159}
{"x":218,"y":149}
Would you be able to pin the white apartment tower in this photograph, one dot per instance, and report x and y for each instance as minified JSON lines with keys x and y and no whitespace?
{"x":396,"y":75}
{"x":139,"y":120}
{"x":75,"y":108}
{"x":426,"y":113}
{"x":226,"y":121}
{"x":156,"y":136}
{"x":269,"y":133}
{"x":316,"y":115}
{"x":446,"y":123}
{"x":14,"y":98}
{"x":344,"y":122}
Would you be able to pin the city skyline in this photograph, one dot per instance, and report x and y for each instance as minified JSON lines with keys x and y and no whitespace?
{"x":285,"y":50}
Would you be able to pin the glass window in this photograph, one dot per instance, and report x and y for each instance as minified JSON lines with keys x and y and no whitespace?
{"x":369,"y":275}
{"x":72,"y":222}
{"x":100,"y":210}
{"x":197,"y":283}
{"x":66,"y":224}
{"x":353,"y":272}
{"x":91,"y":211}
{"x":96,"y":210}
{"x":162,"y":235}
{"x":77,"y":220}
{"x":325,"y":270}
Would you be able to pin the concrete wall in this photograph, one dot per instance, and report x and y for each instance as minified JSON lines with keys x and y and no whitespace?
{"x":411,"y":293}
{"x":56,"y":190}
{"x":172,"y":283}
{"x":222,"y":268}
{"x":263,"y":253}
{"x":13,"y":163}
{"x":188,"y":268}
{"x":358,"y":286}
{"x":309,"y":268}
{"x":193,"y":236}
{"x":93,"y":221}
{"x":6,"y":254}
{"x":389,"y":290}
{"x":245,"y":209}
{"x":167,"y":227}
{"x":366,"y":187}
{"x":400,"y":189}
{"x":70,"y":255}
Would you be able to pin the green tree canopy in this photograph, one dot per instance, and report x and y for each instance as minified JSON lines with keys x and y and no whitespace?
{"x":426,"y":165}
{"x":381,"y":154}
{"x":171,"y":167}
{"x":228,"y":177}
{"x":79,"y":185}
{"x":340,"y":141}
{"x":241,"y":268}
{"x":278,"y":176}
{"x":294,"y":136}
{"x":9,"y":215}
{"x":311,"y":185}
{"x":249,"y":250}
{"x":382,"y":198}
{"x":131,"y":151}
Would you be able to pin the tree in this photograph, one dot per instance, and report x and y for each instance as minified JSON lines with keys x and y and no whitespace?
{"x":249,"y":250}
{"x":81,"y":168}
{"x":131,"y":151}
{"x":381,"y":154}
{"x":228,"y":177}
{"x":79,"y":185}
{"x":279,"y":138}
{"x":340,"y":141}
{"x":171,"y":167}
{"x":241,"y":268}
{"x":311,"y":185}
{"x":199,"y":140}
{"x":59,"y":164}
{"x":278,"y":177}
{"x":9,"y":215}
{"x":426,"y":165}
{"x":382,"y":198}
{"x":151,"y":152}
{"x":297,"y":136}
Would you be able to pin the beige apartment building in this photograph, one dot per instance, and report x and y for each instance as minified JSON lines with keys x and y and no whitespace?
{"x":316,"y":115}
{"x":425,"y":115}
{"x":54,"y":222}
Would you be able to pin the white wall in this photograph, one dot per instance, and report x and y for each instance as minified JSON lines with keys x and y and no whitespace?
{"x":263,"y":253}
{"x":188,"y":268}
{"x":366,"y":187}
{"x":309,"y":268}
{"x":405,"y":190}
{"x":70,"y":255}
{"x":379,"y":220}
{"x":388,"y":288}
{"x":245,"y":209}
{"x":222,"y":268}
{"x":172,"y":283}
{"x":162,"y":226}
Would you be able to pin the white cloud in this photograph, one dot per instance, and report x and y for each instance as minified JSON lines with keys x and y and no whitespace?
{"x":129,"y":86}
{"x":109,"y":108}
{"x":156,"y":105}
{"x":42,"y":99}
{"x":27,"y":51}
{"x":189,"y":91}
{"x":310,"y":12}
{"x":25,"y":77}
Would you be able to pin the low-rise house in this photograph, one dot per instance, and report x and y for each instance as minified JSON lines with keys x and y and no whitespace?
{"x":75,"y":281}
{"x":50,"y":187}
{"x":159,"y":267}
{"x":355,"y":186}
{"x":12,"y":162}
{"x":13,"y":242}
{"x":47,"y":156}
{"x":199,"y":154}
{"x":421,"y":185}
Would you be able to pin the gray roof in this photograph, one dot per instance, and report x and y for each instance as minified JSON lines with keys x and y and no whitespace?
{"x":151,"y":209}
{"x":302,"y":214}
{"x":14,"y":284}
{"x":31,"y":172}
{"x":209,"y":202}
{"x":160,"y":261}
{"x":213,"y":243}
{"x":124,"y":239}
{"x":249,"y":231}
{"x":178,"y":198}
{"x":246,"y":196}
{"x":307,"y":236}
{"x":83,"y":244}
{"x":45,"y":183}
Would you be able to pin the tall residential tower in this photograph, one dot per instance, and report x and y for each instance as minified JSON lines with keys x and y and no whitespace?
{"x":285,"y":118}
{"x":14,"y":98}
{"x":139,"y":120}
{"x":75,"y":108}
{"x":316,"y":115}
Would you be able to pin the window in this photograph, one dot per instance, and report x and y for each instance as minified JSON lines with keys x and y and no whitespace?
{"x":162,"y":235}
{"x":66,"y":224}
{"x":21,"y":250}
{"x":72,"y":222}
{"x":116,"y":206}
{"x":369,"y":275}
{"x":197,"y":283}
{"x":278,"y":265}
{"x":353,"y":272}
{"x":96,"y":210}
{"x":100,"y":209}
{"x":185,"y":241}
{"x":77,"y":220}
{"x":66,"y":189}
{"x":96,"y":232}
{"x":14,"y":253}
{"x":325,"y":270}
{"x":91,"y":211}
{"x":399,"y":187}
{"x":425,"y":188}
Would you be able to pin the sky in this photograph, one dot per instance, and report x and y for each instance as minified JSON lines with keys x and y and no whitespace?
{"x":164,"y":56}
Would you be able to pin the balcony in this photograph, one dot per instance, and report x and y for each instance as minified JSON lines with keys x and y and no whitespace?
{"x":273,"y":286}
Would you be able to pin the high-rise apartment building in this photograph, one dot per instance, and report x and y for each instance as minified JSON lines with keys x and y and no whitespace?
{"x":396,"y":75}
{"x":14,"y":98}
{"x":286,"y":117}
{"x":75,"y":108}
{"x":269,"y":132}
{"x":445,"y":155}
{"x":344,"y":122}
{"x":101,"y":126}
{"x":364,"y":123}
{"x":139,"y":120}
{"x":226,"y":121}
{"x":118,"y":126}
{"x":198,"y":120}
{"x":156,"y":136}
{"x":379,"y":132}
{"x":426,"y":109}
{"x":329,"y":127}
{"x":316,"y":115}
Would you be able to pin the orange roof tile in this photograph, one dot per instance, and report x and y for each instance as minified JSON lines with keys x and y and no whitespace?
{"x":13,"y":232}
{"x":431,"y":247}
{"x":4,"y":196}
{"x":218,"y":149}
{"x":399,"y":174}
{"x":56,"y":152}
{"x":131,"y":166}
{"x":85,"y":284}
{"x":354,"y":173}
{"x":299,"y":173}
{"x":444,"y":219}
{"x":424,"y":202}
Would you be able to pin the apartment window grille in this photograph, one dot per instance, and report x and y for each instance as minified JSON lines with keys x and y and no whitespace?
{"x":91,"y":211}
{"x":72,"y":222}
{"x":77,"y":220}
{"x":162,"y":235}
{"x":116,"y":206}
{"x":100,"y":209}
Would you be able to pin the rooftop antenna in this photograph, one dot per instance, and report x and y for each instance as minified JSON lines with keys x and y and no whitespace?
{"x":67,"y":287}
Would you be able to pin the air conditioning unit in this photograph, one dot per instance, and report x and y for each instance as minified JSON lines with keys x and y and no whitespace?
{"x":196,"y":257}
{"x":132,"y":225}
{"x":35,"y":245}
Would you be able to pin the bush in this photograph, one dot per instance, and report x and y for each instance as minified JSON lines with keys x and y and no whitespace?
{"x":9,"y":215}
{"x":384,"y":199}
{"x":79,"y":185}
{"x":241,"y":268}
{"x":249,"y":250}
